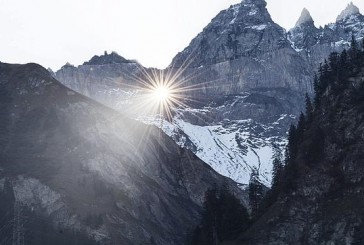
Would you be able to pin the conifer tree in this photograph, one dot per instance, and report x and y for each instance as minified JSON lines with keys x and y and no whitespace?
{"x":301,"y":125}
{"x":276,"y":172}
{"x":233,"y":217}
{"x":292,"y":144}
{"x":255,"y":192}
{"x":309,"y":108}
{"x":353,"y":44}
{"x":224,"y":217}
{"x":211,"y":213}
{"x":354,"y":52}
{"x":317,"y":90}
{"x":343,"y":64}
{"x":333,"y":60}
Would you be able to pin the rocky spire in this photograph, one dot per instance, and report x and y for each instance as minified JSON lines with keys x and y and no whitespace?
{"x":350,"y":10}
{"x":304,"y":18}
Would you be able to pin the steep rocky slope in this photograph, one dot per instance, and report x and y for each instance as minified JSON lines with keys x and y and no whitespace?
{"x":244,"y":78}
{"x":73,"y":171}
{"x":319,"y":198}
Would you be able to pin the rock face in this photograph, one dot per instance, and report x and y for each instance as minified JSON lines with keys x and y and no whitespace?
{"x":244,"y":77}
{"x":243,"y":49}
{"x":244,"y":29}
{"x":73,"y":170}
{"x":106,"y":83}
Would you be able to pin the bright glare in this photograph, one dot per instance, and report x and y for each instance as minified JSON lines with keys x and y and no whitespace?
{"x":162,"y":93}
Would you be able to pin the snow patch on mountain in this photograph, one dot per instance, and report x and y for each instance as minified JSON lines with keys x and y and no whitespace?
{"x":235,"y":9}
{"x":259,"y":27}
{"x":231,"y":149}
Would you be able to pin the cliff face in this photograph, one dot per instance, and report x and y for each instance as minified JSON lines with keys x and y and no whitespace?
{"x":323,"y":202}
{"x":73,"y":170}
{"x":243,"y":49}
{"x":109,"y":83}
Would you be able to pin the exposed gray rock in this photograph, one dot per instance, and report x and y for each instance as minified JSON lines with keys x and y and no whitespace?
{"x":304,"y":18}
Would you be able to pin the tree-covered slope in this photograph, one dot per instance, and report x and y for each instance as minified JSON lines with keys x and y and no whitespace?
{"x":318,"y":198}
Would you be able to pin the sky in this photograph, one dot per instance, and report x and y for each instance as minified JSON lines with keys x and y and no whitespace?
{"x":53,"y":32}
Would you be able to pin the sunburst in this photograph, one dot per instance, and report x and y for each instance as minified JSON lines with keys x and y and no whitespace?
{"x":162,"y":92}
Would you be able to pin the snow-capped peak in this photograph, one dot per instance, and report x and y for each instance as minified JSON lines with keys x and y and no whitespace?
{"x":304,"y":18}
{"x":350,"y":10}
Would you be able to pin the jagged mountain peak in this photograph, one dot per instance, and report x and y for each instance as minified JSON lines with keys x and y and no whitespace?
{"x":246,"y":10}
{"x":305,"y":18}
{"x":350,"y":10}
{"x":112,"y":58}
{"x":242,"y":29}
{"x":255,"y":2}
{"x":67,"y":65}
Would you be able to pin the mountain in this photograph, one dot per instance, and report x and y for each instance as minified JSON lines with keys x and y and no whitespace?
{"x":304,"y":34}
{"x":319,"y":198}
{"x":73,"y":171}
{"x":244,"y":79}
{"x":315,"y":44}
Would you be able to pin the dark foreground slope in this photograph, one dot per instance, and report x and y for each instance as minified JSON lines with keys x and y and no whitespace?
{"x":75,"y":172}
{"x":319,"y":199}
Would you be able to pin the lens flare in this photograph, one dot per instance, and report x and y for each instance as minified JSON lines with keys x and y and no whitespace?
{"x":161,"y":93}
{"x":154,"y":94}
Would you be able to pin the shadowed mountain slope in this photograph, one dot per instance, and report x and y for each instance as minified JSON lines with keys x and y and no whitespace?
{"x":73,"y":170}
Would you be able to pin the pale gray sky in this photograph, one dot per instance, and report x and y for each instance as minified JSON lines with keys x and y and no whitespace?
{"x":52,"y":32}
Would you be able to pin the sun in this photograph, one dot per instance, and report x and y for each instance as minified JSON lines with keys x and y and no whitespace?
{"x":162,"y":93}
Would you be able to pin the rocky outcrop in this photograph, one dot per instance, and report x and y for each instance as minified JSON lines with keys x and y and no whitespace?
{"x":73,"y":170}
